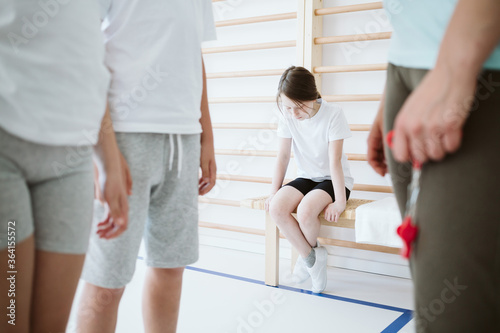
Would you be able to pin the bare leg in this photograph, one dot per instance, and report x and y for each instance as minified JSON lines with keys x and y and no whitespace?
{"x":283,"y":204}
{"x":24,"y":265}
{"x":98,"y":309}
{"x":55,"y":282}
{"x":308,"y":214}
{"x":161,"y":299}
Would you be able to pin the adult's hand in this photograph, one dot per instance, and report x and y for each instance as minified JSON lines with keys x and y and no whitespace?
{"x":430,"y":123}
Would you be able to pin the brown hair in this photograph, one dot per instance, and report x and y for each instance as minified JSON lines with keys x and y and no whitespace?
{"x":298,"y":84}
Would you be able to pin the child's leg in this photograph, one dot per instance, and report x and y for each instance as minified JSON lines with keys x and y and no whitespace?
{"x":161,"y":309}
{"x":24,"y":264}
{"x":98,"y":309}
{"x":62,"y":211}
{"x":110,"y":263}
{"x":16,"y":243}
{"x":40,"y":185}
{"x":54,"y":285}
{"x":283,"y":204}
{"x":171,"y":233}
{"x":308,"y":214}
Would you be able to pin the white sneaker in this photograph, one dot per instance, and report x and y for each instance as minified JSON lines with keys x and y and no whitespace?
{"x":300,"y":273}
{"x":318,"y":271}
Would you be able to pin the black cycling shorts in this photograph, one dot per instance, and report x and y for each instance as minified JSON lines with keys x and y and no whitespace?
{"x":305,"y":186}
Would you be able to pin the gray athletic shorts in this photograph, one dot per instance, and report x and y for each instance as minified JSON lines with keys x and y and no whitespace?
{"x":163,"y":209}
{"x":46,"y":190}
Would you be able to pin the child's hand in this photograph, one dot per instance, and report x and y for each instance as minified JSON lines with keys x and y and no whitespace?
{"x":376,"y":155}
{"x":116,"y":188}
{"x":116,"y":196}
{"x":334,"y":210}
{"x":268,"y":202}
{"x":208,"y":168}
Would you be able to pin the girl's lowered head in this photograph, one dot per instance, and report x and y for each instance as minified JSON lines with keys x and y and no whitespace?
{"x":297,"y":93}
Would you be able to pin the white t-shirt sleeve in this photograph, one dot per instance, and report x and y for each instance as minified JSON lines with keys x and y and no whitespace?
{"x":209,"y":32}
{"x":283,"y":130}
{"x":338,"y":128}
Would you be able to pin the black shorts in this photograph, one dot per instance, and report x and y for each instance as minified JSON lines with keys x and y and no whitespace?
{"x":305,"y":186}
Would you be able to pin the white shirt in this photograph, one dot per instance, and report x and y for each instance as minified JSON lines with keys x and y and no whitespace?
{"x":153,"y":50}
{"x":53,"y":81}
{"x":310,"y":140}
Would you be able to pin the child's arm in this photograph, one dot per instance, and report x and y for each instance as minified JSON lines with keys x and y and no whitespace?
{"x":336,"y":208}
{"x":118,"y":181}
{"x":207,"y":159}
{"x":285,"y":146}
{"x":376,"y":155}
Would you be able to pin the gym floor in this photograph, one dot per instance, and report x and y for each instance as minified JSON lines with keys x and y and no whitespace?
{"x":224,"y":293}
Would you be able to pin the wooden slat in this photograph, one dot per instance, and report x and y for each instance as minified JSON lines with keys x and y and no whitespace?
{"x":273,"y":153}
{"x":248,"y":47}
{"x":226,"y":227}
{"x":353,"y":98}
{"x":248,"y":179}
{"x":222,"y":202}
{"x":372,"y":188}
{"x":244,"y":126}
{"x":359,"y":246}
{"x":352,"y":38}
{"x":353,"y":127}
{"x":272,"y":99}
{"x":322,"y":240}
{"x":350,"y":68}
{"x":226,"y":75}
{"x":256,"y":19}
{"x":356,"y":157}
{"x":349,"y":8}
{"x":250,"y":99}
{"x":313,"y":52}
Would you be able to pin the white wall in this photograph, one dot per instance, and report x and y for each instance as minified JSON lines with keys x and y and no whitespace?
{"x":341,"y":83}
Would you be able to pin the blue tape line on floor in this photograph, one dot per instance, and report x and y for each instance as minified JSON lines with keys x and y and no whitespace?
{"x":303,"y":291}
{"x":399,"y":323}
{"x":394,"y":327}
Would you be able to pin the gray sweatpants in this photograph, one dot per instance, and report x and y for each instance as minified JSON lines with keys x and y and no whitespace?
{"x":163,"y":209}
{"x":455,"y":263}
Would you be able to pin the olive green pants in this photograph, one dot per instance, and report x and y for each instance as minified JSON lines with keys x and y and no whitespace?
{"x":455,"y":262}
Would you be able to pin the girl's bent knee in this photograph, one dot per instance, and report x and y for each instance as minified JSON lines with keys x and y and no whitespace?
{"x":279,"y":212}
{"x":305,"y":214}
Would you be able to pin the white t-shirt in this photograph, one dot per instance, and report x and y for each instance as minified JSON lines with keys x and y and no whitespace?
{"x":53,"y":81}
{"x":310,"y":140}
{"x":153,"y":50}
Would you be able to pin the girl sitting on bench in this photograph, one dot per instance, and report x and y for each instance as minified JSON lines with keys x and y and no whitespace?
{"x":315,"y":130}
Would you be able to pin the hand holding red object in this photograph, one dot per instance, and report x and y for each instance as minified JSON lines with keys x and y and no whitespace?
{"x":408,"y":230}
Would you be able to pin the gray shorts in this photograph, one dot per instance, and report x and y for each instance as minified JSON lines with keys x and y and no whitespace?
{"x":48,"y":191}
{"x":163,"y":209}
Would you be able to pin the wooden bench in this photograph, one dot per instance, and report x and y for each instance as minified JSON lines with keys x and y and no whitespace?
{"x":272,"y":236}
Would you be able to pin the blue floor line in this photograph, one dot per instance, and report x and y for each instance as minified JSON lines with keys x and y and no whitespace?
{"x":394,"y":327}
{"x":399,"y":323}
{"x":302,"y":291}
